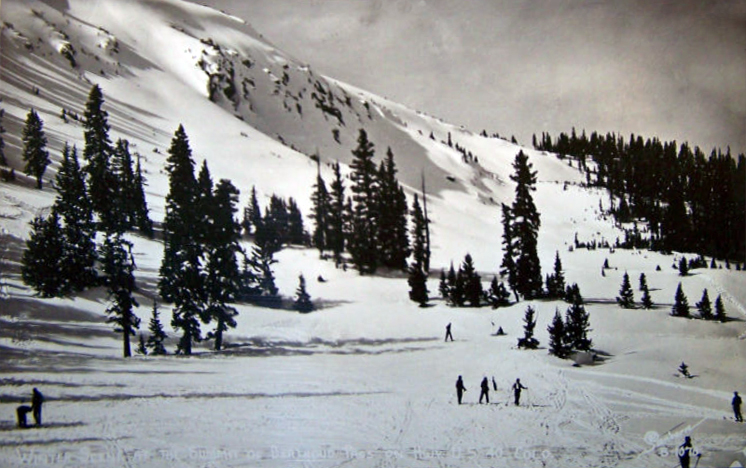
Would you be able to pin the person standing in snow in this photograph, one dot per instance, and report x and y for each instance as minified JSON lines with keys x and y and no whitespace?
{"x":685,"y":452}
{"x":448,"y":332}
{"x":517,"y":387}
{"x":36,"y":400}
{"x":485,"y":391}
{"x":737,"y":406}
{"x":460,"y":389}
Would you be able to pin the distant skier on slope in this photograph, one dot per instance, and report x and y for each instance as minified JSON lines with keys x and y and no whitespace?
{"x":737,"y":406}
{"x":517,"y":387}
{"x":494,"y":383}
{"x":36,"y":401}
{"x":485,"y":391}
{"x":685,"y":452}
{"x":460,"y":389}
{"x":448,"y":332}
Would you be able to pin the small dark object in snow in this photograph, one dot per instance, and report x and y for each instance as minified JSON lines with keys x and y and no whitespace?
{"x":684,"y":370}
{"x":321,"y":279}
{"x":22,"y":411}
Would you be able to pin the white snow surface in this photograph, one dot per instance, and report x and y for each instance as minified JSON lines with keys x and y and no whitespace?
{"x":367,"y":379}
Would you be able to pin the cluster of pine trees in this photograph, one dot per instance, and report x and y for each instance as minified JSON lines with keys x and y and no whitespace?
{"x":105,"y":196}
{"x":61,"y":253}
{"x":571,"y":333}
{"x":371,"y":223}
{"x":692,"y":202}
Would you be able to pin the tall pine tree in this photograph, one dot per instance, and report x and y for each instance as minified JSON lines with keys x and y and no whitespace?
{"x":73,"y":206}
{"x":35,"y":147}
{"x":40,"y":265}
{"x":626,"y":298}
{"x":362,"y":242}
{"x":704,"y":306}
{"x":320,"y":207}
{"x":557,"y":337}
{"x":119,"y":266}
{"x":181,"y":280}
{"x":529,"y":323}
{"x":681,"y":304}
{"x":417,"y":274}
{"x":157,"y":334}
{"x":525,"y":229}
{"x":336,"y":235}
{"x":222,"y":278}
{"x":392,"y":241}
{"x":97,"y":154}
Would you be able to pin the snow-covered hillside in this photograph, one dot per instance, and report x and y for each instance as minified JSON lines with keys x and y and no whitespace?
{"x":367,"y":379}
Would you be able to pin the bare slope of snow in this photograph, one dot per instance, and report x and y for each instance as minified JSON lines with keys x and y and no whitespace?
{"x":367,"y":379}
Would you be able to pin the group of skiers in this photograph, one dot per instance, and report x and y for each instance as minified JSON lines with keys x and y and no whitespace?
{"x":22,"y":411}
{"x":485,"y":393}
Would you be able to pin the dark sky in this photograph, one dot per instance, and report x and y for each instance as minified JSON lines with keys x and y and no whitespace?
{"x":672,"y":69}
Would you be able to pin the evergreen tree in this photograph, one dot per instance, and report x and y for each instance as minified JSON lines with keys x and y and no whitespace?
{"x":529,"y":323}
{"x":320,"y":207}
{"x":203,"y":206}
{"x":557,"y":337}
{"x":35,"y":147}
{"x":122,"y":216}
{"x":303,"y":303}
{"x":647,"y":301}
{"x":626,"y":298}
{"x":572,"y":294}
{"x":296,"y":233}
{"x":40,"y":264}
{"x":261,"y":262}
{"x":336,"y":236}
{"x":704,"y":306}
{"x":222,"y":276}
{"x":272,"y":232}
{"x":720,"y":309}
{"x":157,"y":335}
{"x":577,"y":326}
{"x":141,"y":212}
{"x":74,"y":209}
{"x":417,"y":273}
{"x":252,"y":214}
{"x":525,"y":229}
{"x":681,"y":304}
{"x":508,"y":267}
{"x":364,"y":216}
{"x":119,"y":266}
{"x":97,"y":154}
{"x":498,"y":294}
{"x":141,"y":349}
{"x":556,"y":281}
{"x":472,"y":282}
{"x":443,"y":287}
{"x":181,"y":280}
{"x":683,"y":267}
{"x":643,"y":282}
{"x":391,"y":208}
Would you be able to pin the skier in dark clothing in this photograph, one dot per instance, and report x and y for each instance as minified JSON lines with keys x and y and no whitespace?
{"x":685,"y":452}
{"x":460,"y":389}
{"x":737,"y":406}
{"x":21,"y":412}
{"x":36,"y":401}
{"x":517,"y":387}
{"x":494,"y":384}
{"x":448,"y":332}
{"x":485,"y":390}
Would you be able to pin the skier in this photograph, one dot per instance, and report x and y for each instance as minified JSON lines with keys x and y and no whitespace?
{"x":685,"y":452}
{"x":36,"y":401}
{"x":517,"y":387}
{"x":737,"y":406}
{"x":494,"y":383}
{"x":448,"y":332}
{"x":460,"y":389}
{"x":485,"y":391}
{"x":21,"y":412}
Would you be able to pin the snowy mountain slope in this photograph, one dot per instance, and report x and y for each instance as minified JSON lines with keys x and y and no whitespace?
{"x":366,"y":381}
